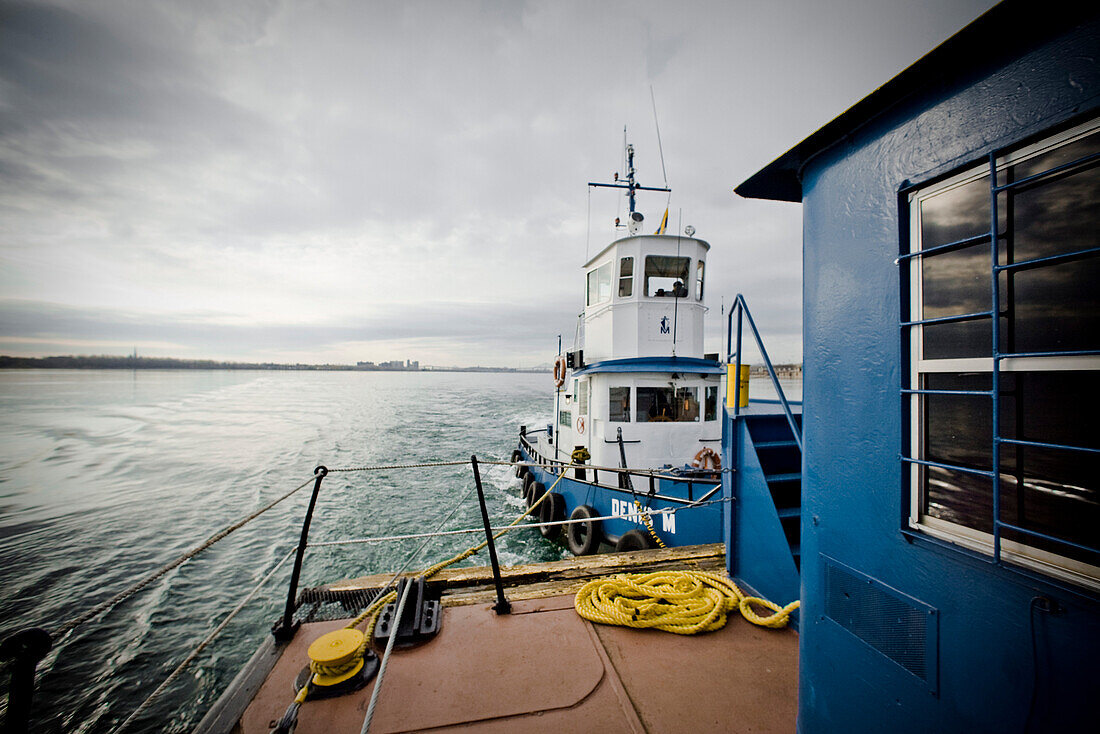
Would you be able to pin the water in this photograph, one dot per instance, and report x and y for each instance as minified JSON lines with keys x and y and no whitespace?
{"x":108,"y":475}
{"x":761,"y":388}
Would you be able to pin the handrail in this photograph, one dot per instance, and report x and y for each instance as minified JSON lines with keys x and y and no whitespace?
{"x":740,"y":307}
{"x":285,"y":628}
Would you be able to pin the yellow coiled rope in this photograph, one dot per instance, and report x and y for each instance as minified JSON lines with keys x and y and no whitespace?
{"x":682,"y":602}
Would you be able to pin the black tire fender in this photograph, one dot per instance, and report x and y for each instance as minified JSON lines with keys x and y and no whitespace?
{"x":552,"y":510}
{"x":535,"y":493}
{"x":583,"y":535}
{"x":633,"y":540}
{"x":521,"y":471}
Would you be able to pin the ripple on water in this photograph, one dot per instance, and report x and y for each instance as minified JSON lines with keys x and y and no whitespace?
{"x":107,"y":475}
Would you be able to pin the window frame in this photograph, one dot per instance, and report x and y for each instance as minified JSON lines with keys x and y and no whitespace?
{"x":993,"y":544}
{"x":684,"y":280}
{"x":611,"y":402}
{"x":626,"y":279}
{"x":602,"y":277}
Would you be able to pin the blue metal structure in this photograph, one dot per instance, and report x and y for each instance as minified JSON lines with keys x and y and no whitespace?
{"x":906,"y":629}
{"x":764,"y":447}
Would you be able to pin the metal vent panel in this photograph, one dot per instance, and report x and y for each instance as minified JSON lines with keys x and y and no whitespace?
{"x":900,"y":627}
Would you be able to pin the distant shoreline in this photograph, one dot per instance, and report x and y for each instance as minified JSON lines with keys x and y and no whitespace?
{"x":103,"y":362}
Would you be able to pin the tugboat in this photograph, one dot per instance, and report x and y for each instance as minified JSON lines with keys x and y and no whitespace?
{"x":636,"y":401}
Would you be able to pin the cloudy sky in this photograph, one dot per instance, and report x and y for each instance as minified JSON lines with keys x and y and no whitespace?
{"x":343,"y":181}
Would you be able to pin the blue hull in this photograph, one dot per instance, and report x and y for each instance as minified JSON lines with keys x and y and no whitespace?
{"x":685,"y":523}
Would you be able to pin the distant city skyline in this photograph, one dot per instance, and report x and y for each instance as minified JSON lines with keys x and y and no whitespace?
{"x":301,"y":183}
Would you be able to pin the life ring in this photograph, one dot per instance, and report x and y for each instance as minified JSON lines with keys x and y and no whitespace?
{"x":707,"y":458}
{"x":559,"y":371}
{"x":583,"y":535}
{"x":580,"y":424}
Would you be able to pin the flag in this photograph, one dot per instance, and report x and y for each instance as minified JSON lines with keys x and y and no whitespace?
{"x":664,"y":223}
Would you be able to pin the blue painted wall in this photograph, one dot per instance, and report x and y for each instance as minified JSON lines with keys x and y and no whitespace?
{"x":852,"y":476}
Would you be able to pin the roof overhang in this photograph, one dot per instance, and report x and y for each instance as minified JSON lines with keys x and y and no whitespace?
{"x":989,"y":41}
{"x":683,"y":239}
{"x":686,"y":365}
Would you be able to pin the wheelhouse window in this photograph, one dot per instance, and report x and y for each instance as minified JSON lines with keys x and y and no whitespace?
{"x":1004,"y":352}
{"x":626,"y":277}
{"x":599,"y":284}
{"x":618,"y":405}
{"x":710,"y":403}
{"x":699,"y":280}
{"x":667,"y":404}
{"x":666,"y":276}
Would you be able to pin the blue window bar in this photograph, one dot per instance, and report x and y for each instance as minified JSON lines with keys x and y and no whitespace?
{"x":1044,"y":333}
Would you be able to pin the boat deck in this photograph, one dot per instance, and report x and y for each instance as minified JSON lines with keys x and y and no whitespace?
{"x":543,"y":668}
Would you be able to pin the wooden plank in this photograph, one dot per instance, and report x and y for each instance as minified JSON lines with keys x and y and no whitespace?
{"x":486,"y":592}
{"x":570,"y":568}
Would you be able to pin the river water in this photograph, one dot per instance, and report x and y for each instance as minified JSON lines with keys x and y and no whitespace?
{"x":108,"y":475}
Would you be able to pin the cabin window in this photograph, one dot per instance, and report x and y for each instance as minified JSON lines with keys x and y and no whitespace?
{"x":599,"y":284}
{"x":626,"y":277}
{"x":582,"y":397}
{"x":710,"y":403}
{"x":618,"y":405}
{"x":666,"y":276}
{"x":1009,"y":406}
{"x":699,"y":281}
{"x":565,"y":418}
{"x":666,"y":404}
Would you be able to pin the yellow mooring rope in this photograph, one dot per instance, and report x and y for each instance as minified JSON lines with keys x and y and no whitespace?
{"x":649,"y":524}
{"x":682,"y":602}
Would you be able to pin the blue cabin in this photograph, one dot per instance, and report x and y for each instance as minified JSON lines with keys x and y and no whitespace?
{"x":950,"y":516}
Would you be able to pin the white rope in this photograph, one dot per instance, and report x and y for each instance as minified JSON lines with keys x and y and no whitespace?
{"x":202,"y":645}
{"x":470,"y":531}
{"x":127,"y":593}
{"x":386,"y":657}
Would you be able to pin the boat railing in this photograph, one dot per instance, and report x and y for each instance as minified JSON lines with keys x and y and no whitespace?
{"x":734,"y":353}
{"x":23,"y":649}
{"x":710,"y":479}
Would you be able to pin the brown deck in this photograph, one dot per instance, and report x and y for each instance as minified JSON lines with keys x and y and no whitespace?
{"x":545,"y":669}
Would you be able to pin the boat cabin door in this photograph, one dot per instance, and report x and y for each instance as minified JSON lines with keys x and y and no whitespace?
{"x":582,"y":422}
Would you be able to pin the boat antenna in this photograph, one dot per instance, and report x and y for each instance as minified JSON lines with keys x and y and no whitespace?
{"x":630,"y":184}
{"x":676,"y":293}
{"x":588,"y":227}
{"x":660,"y":148}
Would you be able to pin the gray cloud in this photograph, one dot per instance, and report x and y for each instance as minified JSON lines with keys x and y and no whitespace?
{"x":195,"y":172}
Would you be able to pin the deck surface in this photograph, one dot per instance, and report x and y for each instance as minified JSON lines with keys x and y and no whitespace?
{"x":543,"y":668}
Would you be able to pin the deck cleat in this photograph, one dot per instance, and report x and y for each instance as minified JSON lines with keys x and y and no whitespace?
{"x":420,"y":622}
{"x":340,"y":663}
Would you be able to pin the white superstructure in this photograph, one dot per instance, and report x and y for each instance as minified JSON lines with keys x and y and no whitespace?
{"x":639,"y":365}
